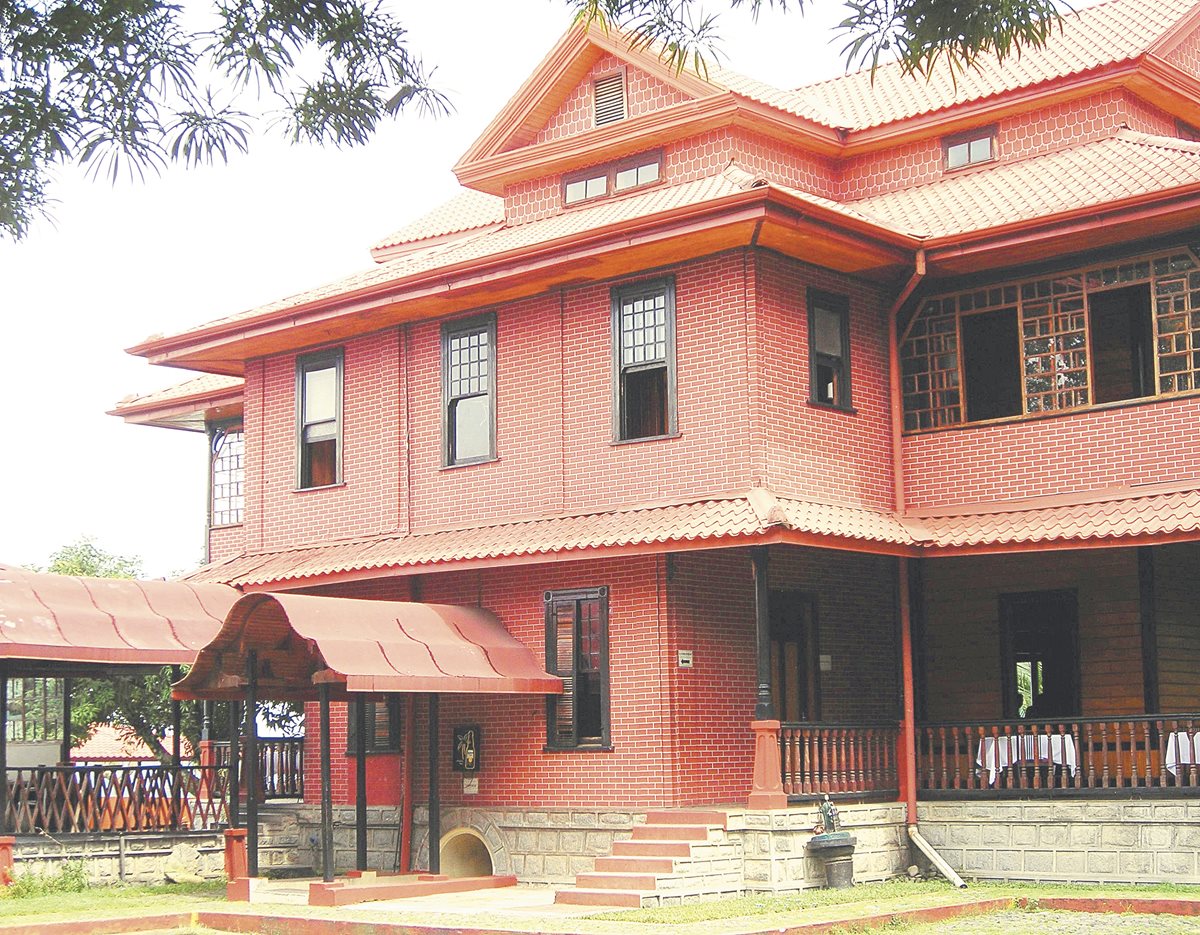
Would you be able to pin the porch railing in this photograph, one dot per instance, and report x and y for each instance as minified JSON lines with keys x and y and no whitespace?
{"x":839,"y":759}
{"x":1003,"y":757}
{"x":115,"y":798}
{"x":280,"y":765}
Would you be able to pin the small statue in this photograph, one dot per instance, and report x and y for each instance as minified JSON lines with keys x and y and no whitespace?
{"x":828,"y":821}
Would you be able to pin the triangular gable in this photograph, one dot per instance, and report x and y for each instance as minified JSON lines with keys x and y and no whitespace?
{"x":643,"y":93}
{"x":564,"y":74}
{"x":1180,"y":45}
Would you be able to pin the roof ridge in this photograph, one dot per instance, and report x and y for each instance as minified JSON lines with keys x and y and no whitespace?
{"x":1157,"y":140}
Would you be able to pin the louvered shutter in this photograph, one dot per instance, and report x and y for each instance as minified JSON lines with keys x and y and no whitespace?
{"x":610,"y":99}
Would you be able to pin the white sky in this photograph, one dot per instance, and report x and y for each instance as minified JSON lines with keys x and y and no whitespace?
{"x":120,"y":263}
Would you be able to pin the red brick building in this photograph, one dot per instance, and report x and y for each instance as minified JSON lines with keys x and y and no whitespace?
{"x":700,"y":379}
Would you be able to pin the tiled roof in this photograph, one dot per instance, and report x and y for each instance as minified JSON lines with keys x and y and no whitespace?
{"x":498,"y":241}
{"x":1117,"y":516}
{"x":468,"y":210}
{"x":1123,"y":166}
{"x":108,"y":743}
{"x":206,"y":385}
{"x":1105,"y":34}
{"x":714,"y":519}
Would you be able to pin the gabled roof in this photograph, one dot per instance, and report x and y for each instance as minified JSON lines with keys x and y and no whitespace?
{"x":467,"y":211}
{"x":1105,"y":34}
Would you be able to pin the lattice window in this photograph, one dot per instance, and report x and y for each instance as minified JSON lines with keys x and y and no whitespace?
{"x":1054,"y":344}
{"x":469,"y":387}
{"x":929,"y":367}
{"x":228,"y":475}
{"x":1177,"y":322}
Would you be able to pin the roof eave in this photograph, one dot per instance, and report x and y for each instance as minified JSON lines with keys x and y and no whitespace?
{"x":174,"y":413}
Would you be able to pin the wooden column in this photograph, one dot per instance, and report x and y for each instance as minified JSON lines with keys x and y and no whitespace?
{"x":176,"y":723}
{"x":326,"y":788}
{"x":764,"y":710}
{"x":435,"y":804}
{"x":235,"y":754}
{"x":360,"y":784}
{"x":1149,"y":620}
{"x":406,"y":783}
{"x":64,"y":753}
{"x":252,"y":762}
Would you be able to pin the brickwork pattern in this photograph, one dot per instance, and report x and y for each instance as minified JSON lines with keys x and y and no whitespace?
{"x":1146,"y":443}
{"x":1110,"y":841}
{"x":226,"y":542}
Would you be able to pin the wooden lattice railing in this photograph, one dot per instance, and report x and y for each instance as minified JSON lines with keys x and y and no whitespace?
{"x":1080,"y":753}
{"x":280,"y":766}
{"x":839,"y":759}
{"x":115,"y":798}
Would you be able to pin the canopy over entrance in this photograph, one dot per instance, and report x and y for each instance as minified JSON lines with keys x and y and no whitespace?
{"x":56,"y":625}
{"x":301,"y":641}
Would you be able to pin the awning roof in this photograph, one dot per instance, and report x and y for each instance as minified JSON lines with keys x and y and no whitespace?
{"x":361,"y":646}
{"x":56,"y":622}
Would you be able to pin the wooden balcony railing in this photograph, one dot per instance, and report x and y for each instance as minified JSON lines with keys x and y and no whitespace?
{"x":115,"y":798}
{"x":280,"y":766}
{"x":1157,"y":752}
{"x":839,"y":759}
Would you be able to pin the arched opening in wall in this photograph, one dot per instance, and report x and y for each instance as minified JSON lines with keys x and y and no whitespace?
{"x":464,"y":854}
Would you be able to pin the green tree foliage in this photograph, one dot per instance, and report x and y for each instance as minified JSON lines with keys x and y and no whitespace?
{"x":126,"y":86}
{"x":86,"y":559}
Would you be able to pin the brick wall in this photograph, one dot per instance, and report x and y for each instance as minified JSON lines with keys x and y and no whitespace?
{"x":1177,"y":612}
{"x":1143,"y":443}
{"x":225,"y":542}
{"x":962,"y":628}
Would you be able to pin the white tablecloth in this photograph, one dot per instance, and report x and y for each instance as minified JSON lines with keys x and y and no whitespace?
{"x":996,"y":753}
{"x":1182,"y":750}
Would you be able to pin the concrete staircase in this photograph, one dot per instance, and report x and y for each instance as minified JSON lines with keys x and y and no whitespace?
{"x":676,"y":856}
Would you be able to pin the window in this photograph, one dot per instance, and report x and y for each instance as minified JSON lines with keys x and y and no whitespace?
{"x":1040,"y":654}
{"x":35,"y":709}
{"x":829,"y":349}
{"x":319,"y":417}
{"x":1122,"y":344}
{"x":614,"y":178}
{"x":383,"y":726}
{"x":991,"y":364}
{"x":468,"y":388}
{"x":227,"y":480}
{"x":971,"y":148}
{"x":1123,"y":329}
{"x":644,"y":360}
{"x":577,"y":652}
{"x":795,"y":676}
{"x":609,"y":98}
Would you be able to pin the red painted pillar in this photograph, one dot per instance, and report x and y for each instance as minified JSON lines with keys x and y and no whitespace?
{"x":767,"y":789}
{"x":236,"y":865}
{"x":6,"y":859}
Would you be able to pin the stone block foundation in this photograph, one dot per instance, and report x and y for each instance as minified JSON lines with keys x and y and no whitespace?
{"x":1108,"y":840}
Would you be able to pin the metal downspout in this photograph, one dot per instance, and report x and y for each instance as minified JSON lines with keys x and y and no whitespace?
{"x":908,"y":781}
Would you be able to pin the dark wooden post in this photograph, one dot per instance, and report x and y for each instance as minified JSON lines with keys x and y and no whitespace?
{"x":176,"y":758}
{"x":326,"y":788}
{"x":235,"y":755}
{"x":252,"y":762}
{"x":908,"y":723}
{"x":64,"y":755}
{"x":435,"y":802}
{"x":360,"y":784}
{"x":4,"y":826}
{"x":206,"y":720}
{"x":1149,"y":615}
{"x":764,"y":710}
{"x":406,"y":783}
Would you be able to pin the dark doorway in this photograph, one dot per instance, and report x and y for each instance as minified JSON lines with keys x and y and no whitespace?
{"x":1040,"y":654}
{"x":991,"y":356}
{"x":795,"y":682}
{"x":1122,"y":365}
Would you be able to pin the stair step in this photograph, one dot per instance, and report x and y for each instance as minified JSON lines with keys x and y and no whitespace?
{"x":642,"y":848}
{"x":585,"y":897}
{"x":686,"y":816}
{"x":635,"y":864}
{"x":615,"y":881}
{"x":670,"y":833}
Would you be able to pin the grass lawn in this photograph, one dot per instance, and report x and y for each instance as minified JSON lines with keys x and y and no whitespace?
{"x":25,"y":899}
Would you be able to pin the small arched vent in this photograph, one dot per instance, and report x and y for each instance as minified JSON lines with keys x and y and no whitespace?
{"x":610,"y":99}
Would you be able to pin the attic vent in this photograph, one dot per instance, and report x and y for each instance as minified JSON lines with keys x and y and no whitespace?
{"x":610,"y":99}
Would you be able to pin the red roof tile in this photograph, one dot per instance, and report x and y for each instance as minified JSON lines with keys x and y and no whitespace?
{"x":717,"y":520}
{"x":1112,"y":515}
{"x":468,"y":210}
{"x":208,"y":384}
{"x":108,"y":743}
{"x":1126,"y":165}
{"x":1104,"y":34}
